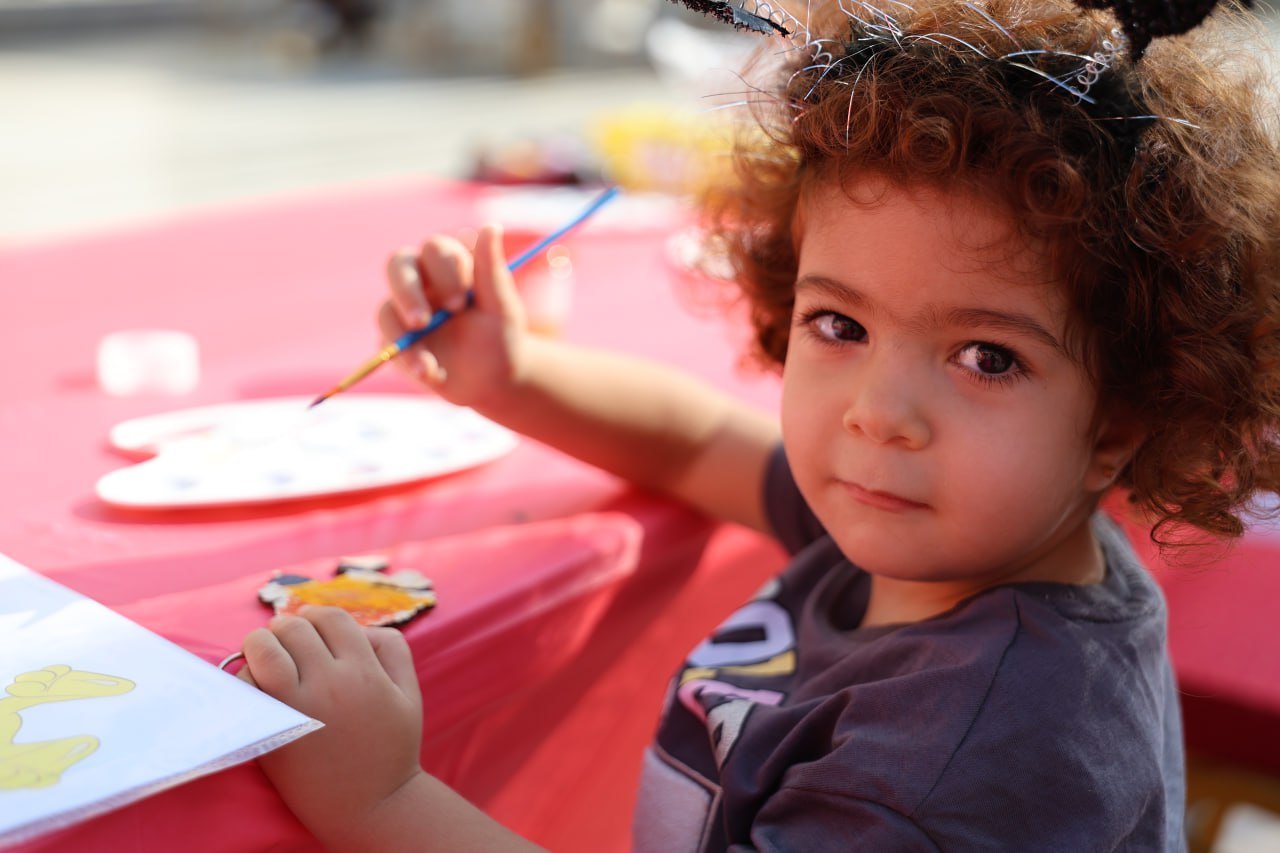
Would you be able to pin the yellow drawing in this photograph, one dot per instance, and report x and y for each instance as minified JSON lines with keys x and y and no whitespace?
{"x":40,"y":764}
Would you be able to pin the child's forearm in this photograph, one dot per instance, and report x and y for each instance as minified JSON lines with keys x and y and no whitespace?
{"x":425,"y":814}
{"x":646,"y":422}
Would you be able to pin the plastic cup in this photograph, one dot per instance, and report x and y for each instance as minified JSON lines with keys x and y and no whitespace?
{"x":148,"y":361}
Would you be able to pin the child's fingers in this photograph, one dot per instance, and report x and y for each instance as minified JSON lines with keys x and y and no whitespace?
{"x":425,"y":367}
{"x":448,"y":268}
{"x":340,"y":633}
{"x":303,"y":643}
{"x":395,"y":656}
{"x":246,"y":676}
{"x":418,"y":362}
{"x":408,"y":295}
{"x":268,"y":664}
{"x":495,"y":288}
{"x":390,"y":323}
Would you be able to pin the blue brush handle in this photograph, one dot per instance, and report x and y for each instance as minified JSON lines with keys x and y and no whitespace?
{"x":437,"y":320}
{"x":444,"y":315}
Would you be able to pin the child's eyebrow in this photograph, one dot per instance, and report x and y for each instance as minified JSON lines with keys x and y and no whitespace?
{"x":1018,"y":324}
{"x":1013,"y":322}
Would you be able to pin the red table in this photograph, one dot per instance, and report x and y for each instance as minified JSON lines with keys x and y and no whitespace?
{"x":567,"y":598}
{"x":1224,"y":636}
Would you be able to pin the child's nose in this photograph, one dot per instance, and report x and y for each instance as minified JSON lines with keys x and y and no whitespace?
{"x":888,"y":406}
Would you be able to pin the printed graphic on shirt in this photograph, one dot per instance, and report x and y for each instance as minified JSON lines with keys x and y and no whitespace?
{"x":740,"y":667}
{"x":757,"y":641}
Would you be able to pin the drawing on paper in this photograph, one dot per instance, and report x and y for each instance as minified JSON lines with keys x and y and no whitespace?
{"x":41,"y":763}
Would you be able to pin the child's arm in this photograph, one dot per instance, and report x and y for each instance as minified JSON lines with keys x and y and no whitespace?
{"x":356,"y":783}
{"x":650,"y":424}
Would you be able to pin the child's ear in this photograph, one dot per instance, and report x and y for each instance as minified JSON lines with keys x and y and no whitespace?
{"x":1117,"y":439}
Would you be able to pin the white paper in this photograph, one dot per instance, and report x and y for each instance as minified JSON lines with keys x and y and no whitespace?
{"x":160,"y":715}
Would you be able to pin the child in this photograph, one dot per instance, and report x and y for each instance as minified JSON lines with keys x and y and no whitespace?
{"x":1007,"y":269}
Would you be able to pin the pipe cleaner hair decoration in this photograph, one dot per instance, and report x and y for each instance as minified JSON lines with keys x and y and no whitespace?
{"x":1140,"y":20}
{"x":965,"y":39}
{"x":1097,"y":77}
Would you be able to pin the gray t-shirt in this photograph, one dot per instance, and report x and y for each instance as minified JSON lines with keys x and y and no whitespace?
{"x":1031,"y":716}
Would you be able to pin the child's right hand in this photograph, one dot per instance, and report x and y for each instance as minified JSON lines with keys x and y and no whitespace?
{"x":474,"y":358}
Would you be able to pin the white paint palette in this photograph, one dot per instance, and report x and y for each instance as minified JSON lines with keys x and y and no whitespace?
{"x":267,"y":451}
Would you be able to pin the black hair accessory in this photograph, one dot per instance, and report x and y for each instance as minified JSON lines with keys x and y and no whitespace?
{"x":758,"y":21}
{"x":1143,"y":20}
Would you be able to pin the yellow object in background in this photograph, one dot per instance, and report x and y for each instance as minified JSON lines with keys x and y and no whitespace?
{"x":655,"y":148}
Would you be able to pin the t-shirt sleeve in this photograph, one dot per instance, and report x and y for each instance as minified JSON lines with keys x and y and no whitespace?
{"x":790,"y":518}
{"x":815,"y":821}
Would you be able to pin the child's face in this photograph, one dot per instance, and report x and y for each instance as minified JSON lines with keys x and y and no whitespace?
{"x":932,"y":417}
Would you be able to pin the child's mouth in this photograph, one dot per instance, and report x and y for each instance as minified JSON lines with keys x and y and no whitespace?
{"x":881,"y":500}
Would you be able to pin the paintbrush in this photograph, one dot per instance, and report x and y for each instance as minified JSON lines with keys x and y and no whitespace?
{"x":443,"y":315}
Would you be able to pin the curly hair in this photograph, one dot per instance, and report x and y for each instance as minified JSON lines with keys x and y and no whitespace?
{"x":1157,"y":197}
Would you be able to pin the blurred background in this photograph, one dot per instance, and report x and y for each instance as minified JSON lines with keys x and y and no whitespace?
{"x":117,"y":111}
{"x":120,"y":112}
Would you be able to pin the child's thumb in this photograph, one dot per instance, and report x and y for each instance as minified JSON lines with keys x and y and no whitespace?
{"x":495,"y":288}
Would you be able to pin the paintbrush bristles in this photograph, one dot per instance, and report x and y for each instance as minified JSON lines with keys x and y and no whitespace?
{"x":387,"y":353}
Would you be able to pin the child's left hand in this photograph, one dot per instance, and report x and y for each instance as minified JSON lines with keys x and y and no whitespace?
{"x":359,"y":682}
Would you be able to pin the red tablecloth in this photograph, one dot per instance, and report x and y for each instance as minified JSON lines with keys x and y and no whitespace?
{"x":566,"y":598}
{"x":1224,"y":636}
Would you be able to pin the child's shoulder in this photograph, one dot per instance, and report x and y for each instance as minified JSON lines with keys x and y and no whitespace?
{"x":1054,"y":701}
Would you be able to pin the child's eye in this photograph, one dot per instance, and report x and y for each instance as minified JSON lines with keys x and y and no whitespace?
{"x":989,"y":361}
{"x":831,"y":326}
